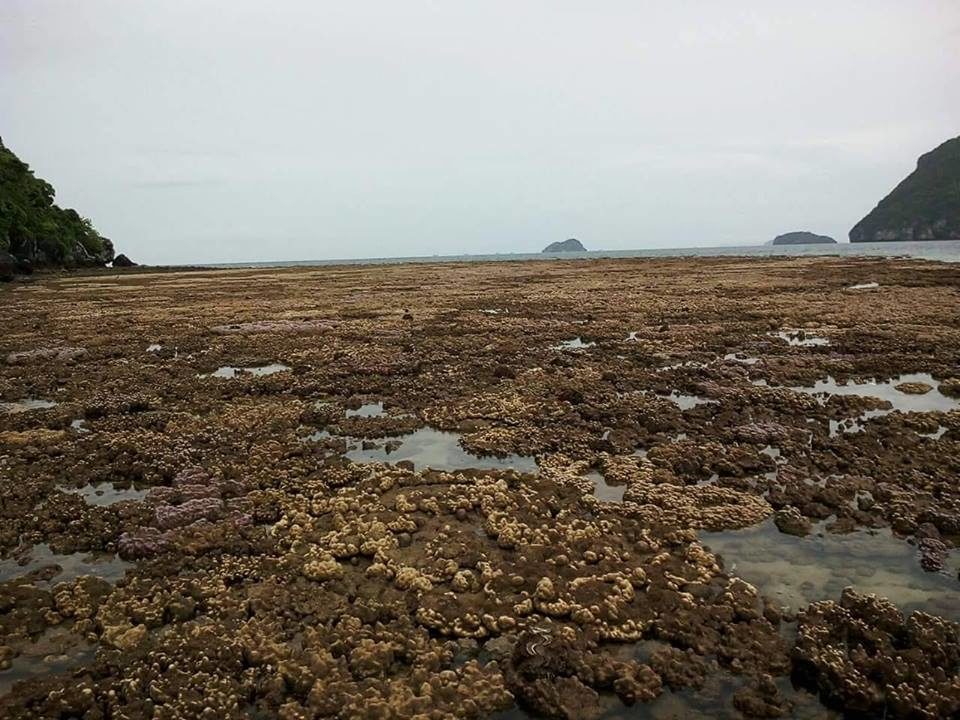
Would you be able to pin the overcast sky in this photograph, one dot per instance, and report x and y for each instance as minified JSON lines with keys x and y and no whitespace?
{"x":193,"y":130}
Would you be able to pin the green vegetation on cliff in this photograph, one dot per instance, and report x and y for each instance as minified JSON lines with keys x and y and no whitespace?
{"x":925,"y":206}
{"x":38,"y":232}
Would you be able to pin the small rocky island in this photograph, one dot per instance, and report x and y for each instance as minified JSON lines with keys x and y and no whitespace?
{"x":801,"y":237}
{"x":35,"y":233}
{"x":925,"y":206}
{"x":571,"y":245}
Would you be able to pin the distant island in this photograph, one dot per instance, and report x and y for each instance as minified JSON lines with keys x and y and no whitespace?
{"x":571,"y":245}
{"x":35,"y":232}
{"x":801,"y":237}
{"x":925,"y":206}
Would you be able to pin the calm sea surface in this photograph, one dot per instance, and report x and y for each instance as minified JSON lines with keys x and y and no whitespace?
{"x":943,"y":250}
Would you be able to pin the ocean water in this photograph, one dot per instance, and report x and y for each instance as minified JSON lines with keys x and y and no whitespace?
{"x":941,"y":250}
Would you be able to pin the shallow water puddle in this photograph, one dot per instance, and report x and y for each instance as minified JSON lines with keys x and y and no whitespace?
{"x":931,"y":401}
{"x":937,"y":434}
{"x":801,"y":338}
{"x":856,"y":424}
{"x":55,"y":651}
{"x":429,"y":448}
{"x":686,"y":402}
{"x":26,"y":405}
{"x":228,"y":371}
{"x":603,"y":490}
{"x":367,"y":410}
{"x":713,"y":701}
{"x":107,"y":494}
{"x":79,"y":425}
{"x":74,"y":565}
{"x":742,"y":359}
{"x":576,"y":344}
{"x":795,"y":571}
{"x":864,"y":286}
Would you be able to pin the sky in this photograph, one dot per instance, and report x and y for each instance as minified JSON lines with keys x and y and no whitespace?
{"x":236,"y":131}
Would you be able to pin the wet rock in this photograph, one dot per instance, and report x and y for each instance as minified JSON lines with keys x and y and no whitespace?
{"x":862,"y":655}
{"x":761,"y":699}
{"x":914,"y":388}
{"x":933,"y":553}
{"x":789,"y":520}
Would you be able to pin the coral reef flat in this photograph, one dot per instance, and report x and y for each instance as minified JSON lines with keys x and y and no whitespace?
{"x":404,"y":491}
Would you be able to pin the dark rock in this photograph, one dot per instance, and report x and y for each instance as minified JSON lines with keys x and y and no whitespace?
{"x":8,"y":266}
{"x":571,"y":245}
{"x":122,"y":260}
{"x":802,"y":237}
{"x":505,"y":371}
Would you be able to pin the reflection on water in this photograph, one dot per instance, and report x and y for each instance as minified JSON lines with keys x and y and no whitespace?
{"x":26,"y":405}
{"x":801,"y":338}
{"x":686,"y":402}
{"x":228,"y":371}
{"x":107,"y":494}
{"x":714,"y":701}
{"x":864,"y":286}
{"x":603,"y":490}
{"x":72,"y":566}
{"x":154,"y":347}
{"x":429,"y":448}
{"x":742,"y":359}
{"x":932,"y":401}
{"x":55,"y":651}
{"x":936,"y":435}
{"x":367,"y":410}
{"x":575,"y":344}
{"x":795,"y":571}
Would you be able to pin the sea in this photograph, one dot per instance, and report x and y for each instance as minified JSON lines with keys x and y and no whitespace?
{"x":939,"y":250}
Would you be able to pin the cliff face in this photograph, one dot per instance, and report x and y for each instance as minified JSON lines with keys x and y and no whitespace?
{"x":801,"y":237}
{"x":35,"y":232}
{"x":571,"y":245}
{"x":925,"y":206}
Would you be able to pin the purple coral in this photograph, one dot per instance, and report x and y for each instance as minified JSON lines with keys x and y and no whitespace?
{"x":142,"y":543}
{"x":175,"y":516}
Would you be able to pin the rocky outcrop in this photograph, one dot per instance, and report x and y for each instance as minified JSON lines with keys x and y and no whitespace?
{"x":571,"y":245}
{"x":865,"y":657}
{"x":801,"y":237}
{"x":122,"y":260}
{"x":36,"y":232}
{"x":925,"y":206}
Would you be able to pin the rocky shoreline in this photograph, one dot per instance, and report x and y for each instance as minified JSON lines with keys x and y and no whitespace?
{"x":512,"y":489}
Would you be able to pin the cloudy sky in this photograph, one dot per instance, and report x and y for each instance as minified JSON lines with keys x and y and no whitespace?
{"x":194,"y":130}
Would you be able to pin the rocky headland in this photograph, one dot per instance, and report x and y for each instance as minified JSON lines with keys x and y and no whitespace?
{"x":924,"y":206}
{"x":36,"y":233}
